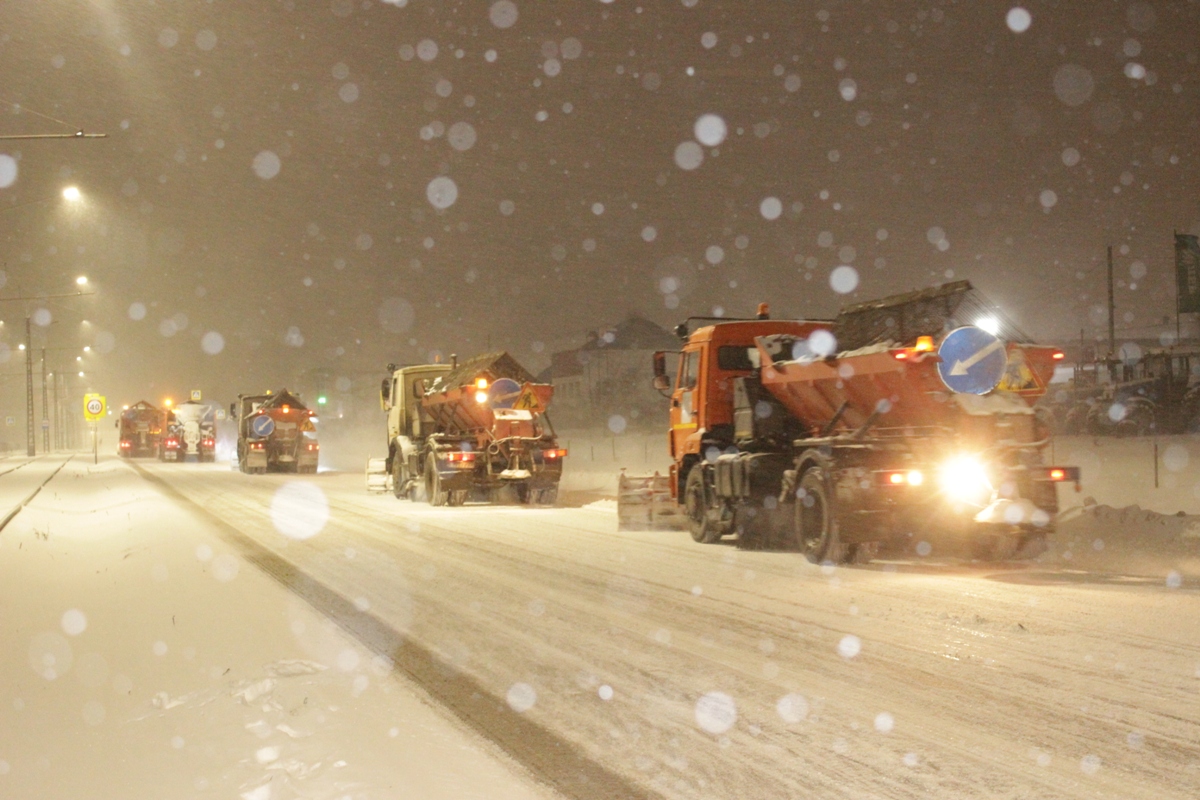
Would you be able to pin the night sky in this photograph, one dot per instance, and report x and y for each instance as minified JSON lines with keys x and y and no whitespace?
{"x":267,"y":198}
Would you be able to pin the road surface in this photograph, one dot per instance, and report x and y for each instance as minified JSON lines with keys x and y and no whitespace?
{"x":640,"y":664}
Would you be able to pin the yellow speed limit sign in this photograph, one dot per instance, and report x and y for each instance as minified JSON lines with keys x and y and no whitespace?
{"x":94,"y":407}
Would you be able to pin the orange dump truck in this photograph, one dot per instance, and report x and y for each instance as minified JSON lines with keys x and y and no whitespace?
{"x":470,"y":429}
{"x":276,"y":433}
{"x":831,"y":437}
{"x":140,"y":430}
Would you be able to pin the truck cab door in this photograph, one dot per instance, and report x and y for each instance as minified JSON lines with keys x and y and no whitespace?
{"x":686,"y":400}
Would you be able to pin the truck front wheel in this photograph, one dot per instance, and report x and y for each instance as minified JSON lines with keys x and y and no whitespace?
{"x":815,"y":527}
{"x":701,"y":524}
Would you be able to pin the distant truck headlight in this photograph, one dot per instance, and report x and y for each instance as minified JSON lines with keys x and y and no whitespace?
{"x":964,"y":479}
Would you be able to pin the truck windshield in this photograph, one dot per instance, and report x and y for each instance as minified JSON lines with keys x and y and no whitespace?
{"x":737,"y":358}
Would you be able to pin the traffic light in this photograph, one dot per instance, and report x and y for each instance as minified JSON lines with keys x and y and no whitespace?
{"x":321,"y":400}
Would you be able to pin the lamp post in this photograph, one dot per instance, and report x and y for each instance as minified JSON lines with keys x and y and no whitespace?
{"x":52,"y":392}
{"x":45,"y":408}
{"x":30,"y":441}
{"x":72,"y":195}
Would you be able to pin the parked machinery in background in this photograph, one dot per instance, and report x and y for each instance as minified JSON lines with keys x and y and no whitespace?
{"x":1152,"y":392}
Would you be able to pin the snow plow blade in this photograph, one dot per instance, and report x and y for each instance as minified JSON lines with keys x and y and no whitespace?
{"x":644,"y":503}
{"x":378,"y":479}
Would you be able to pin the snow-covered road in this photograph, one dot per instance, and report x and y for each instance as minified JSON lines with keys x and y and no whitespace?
{"x":140,"y":656}
{"x":642,"y":664}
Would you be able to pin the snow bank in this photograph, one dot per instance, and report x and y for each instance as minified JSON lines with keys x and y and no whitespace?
{"x":1127,"y":541}
{"x":1121,"y":472}
{"x":595,"y":458}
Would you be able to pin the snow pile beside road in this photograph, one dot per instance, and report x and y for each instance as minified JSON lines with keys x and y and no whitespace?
{"x":1129,"y":540}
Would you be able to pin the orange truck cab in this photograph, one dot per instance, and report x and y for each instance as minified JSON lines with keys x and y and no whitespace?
{"x":702,"y":395}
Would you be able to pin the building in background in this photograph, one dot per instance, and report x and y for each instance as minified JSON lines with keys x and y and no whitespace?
{"x":607,"y":381}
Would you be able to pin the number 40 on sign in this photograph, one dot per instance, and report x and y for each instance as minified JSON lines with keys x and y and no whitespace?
{"x":93,"y":407}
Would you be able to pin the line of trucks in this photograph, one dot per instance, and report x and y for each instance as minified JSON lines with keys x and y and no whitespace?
{"x":828,"y":437}
{"x":276,"y":432}
{"x":168,"y":434}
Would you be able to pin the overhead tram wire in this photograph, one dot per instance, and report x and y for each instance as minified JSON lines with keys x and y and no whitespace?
{"x":78,"y":134}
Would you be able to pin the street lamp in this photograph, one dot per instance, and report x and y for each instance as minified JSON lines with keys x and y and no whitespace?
{"x":72,"y":195}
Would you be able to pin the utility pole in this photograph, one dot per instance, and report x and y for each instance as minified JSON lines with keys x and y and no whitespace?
{"x":59,"y":443}
{"x":1112,"y":308}
{"x":1112,"y":313}
{"x":30,"y":439}
{"x":45,"y":407}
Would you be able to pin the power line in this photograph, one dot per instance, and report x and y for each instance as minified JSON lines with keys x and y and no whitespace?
{"x":76,"y":135}
{"x":79,"y":132}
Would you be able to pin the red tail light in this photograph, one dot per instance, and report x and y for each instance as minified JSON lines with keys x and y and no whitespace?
{"x":257,"y":445}
{"x":460,"y":458}
{"x":207,"y":442}
{"x":1058,"y":475}
{"x":1058,"y":355}
{"x":900,"y":355}
{"x":312,"y":446}
{"x":172,"y":443}
{"x":126,"y":444}
{"x":553,"y":454}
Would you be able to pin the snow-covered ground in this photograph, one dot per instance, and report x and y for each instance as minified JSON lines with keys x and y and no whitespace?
{"x":143,"y":657}
{"x":608,"y":664}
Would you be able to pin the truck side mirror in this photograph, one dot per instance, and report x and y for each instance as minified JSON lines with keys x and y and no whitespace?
{"x":385,"y":391}
{"x":233,"y":410}
{"x":661,"y":381}
{"x":660,"y":364}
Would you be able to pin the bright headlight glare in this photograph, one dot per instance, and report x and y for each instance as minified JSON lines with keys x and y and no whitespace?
{"x":965,"y":479}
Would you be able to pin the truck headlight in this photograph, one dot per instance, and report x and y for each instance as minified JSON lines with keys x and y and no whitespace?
{"x":965,"y":480}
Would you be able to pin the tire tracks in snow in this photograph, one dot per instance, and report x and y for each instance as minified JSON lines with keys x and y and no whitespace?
{"x":1024,"y":700}
{"x":551,"y":758}
{"x":19,"y":507}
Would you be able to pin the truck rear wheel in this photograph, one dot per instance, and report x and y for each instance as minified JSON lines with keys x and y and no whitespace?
{"x":695,"y":501}
{"x":433,"y":484}
{"x":815,"y":525}
{"x":399,"y":478}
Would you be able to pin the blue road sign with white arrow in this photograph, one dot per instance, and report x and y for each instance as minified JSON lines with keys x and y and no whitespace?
{"x":504,"y":393}
{"x":262,"y":426}
{"x":973,"y":360}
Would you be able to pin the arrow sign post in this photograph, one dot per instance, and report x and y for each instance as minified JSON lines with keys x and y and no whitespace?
{"x":972,"y":360}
